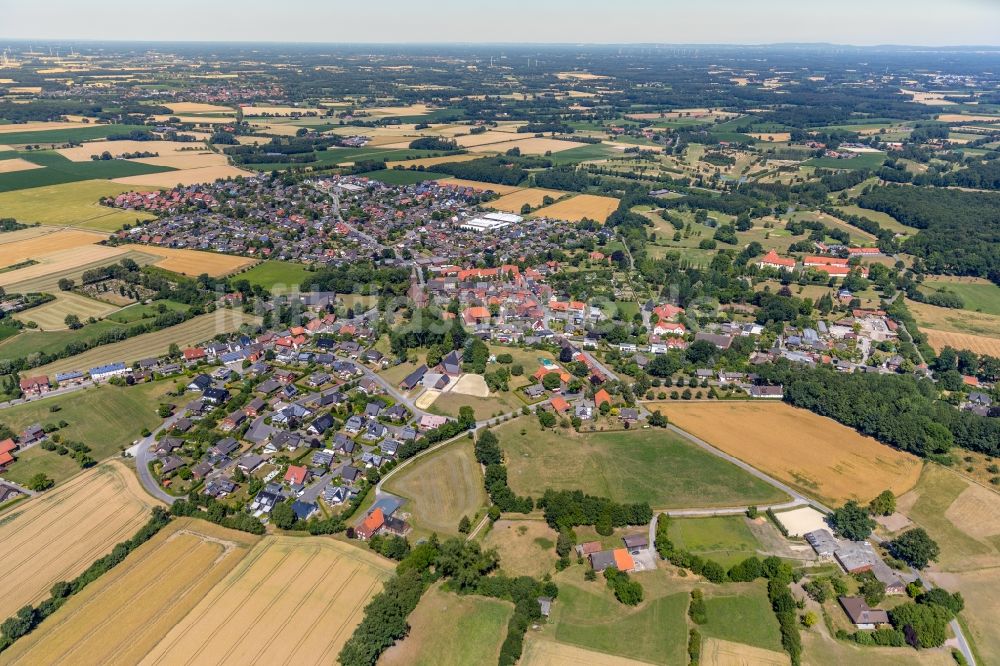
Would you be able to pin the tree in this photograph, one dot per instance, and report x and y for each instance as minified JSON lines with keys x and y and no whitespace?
{"x":566,"y":354}
{"x":40,"y":482}
{"x":73,"y":322}
{"x":915,"y":548}
{"x":564,"y":543}
{"x":65,"y":284}
{"x":464,"y":525}
{"x":852,"y":521}
{"x":884,"y":504}
{"x":657,"y":419}
{"x":547,"y":419}
{"x":700,"y":352}
{"x":283,"y":516}
{"x":872,"y":589}
{"x":551,"y":381}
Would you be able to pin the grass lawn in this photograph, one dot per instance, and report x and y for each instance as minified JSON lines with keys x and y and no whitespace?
{"x":283,"y":275}
{"x":107,"y":419}
{"x":725,"y":539}
{"x":451,"y":630}
{"x":742,"y":614}
{"x":637,"y":466}
{"x":588,"y":615}
{"x":448,"y":404}
{"x":74,"y":204}
{"x":403,"y":176}
{"x":440,"y":488}
{"x":884,"y":220}
{"x":979,"y":296}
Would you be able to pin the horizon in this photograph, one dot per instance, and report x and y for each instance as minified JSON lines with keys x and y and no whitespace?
{"x":857,"y":23}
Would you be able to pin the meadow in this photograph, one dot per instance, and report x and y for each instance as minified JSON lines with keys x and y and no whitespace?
{"x":812,"y":454}
{"x":106,"y":418}
{"x":978,"y":295}
{"x":75,"y":204}
{"x":57,"y":535}
{"x":526,"y":547}
{"x":447,"y":629}
{"x":190,"y":332}
{"x":270,"y":274}
{"x":862,"y":161}
{"x":741,"y":613}
{"x":270,"y":607}
{"x":724,"y":539}
{"x":440,"y":488}
{"x":651,"y":466}
{"x":100,"y":626}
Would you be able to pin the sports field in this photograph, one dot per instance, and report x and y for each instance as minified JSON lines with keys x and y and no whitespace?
{"x":574,"y":209}
{"x":815,"y":455}
{"x":440,"y":488}
{"x":190,"y":332}
{"x":74,"y":204}
{"x":652,"y":466}
{"x":292,"y":599}
{"x":56,"y":536}
{"x":106,"y":418}
{"x":451,"y":630}
{"x":100,"y":625}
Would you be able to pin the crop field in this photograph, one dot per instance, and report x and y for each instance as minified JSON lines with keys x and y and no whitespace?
{"x":543,"y":652}
{"x":716,"y":652}
{"x":196,"y":262}
{"x":83,"y":152}
{"x":190,"y":332}
{"x":440,"y":488}
{"x":819,"y":650}
{"x":976,"y":343}
{"x":533,"y":196}
{"x":187,"y":160}
{"x":635,"y":466}
{"x":32,"y":244}
{"x":950,"y":320}
{"x":99,"y":625}
{"x":74,"y":204}
{"x":57,"y":169}
{"x":184,"y":177}
{"x":476,"y":185}
{"x":529,"y":146}
{"x":815,"y":455}
{"x":52,"y":315}
{"x":979,"y":295}
{"x":283,"y":275}
{"x":526,"y":547}
{"x":107,"y":419}
{"x":402,"y":176}
{"x":35,"y":279}
{"x":581,"y":206}
{"x":291,"y":599}
{"x":447,"y":629}
{"x":428,"y":162}
{"x":585,"y":153}
{"x":51,"y":133}
{"x":725,"y":539}
{"x":198,"y":107}
{"x":17,"y":164}
{"x":586,"y":615}
{"x":57,"y":535}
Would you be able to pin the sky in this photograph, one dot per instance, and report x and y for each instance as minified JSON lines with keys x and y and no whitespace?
{"x":860,"y":22}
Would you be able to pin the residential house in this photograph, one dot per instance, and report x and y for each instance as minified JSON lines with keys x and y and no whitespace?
{"x":371,"y":525}
{"x":38,"y":385}
{"x":861,"y":615}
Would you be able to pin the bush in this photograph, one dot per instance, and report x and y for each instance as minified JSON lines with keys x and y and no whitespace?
{"x":697,"y":610}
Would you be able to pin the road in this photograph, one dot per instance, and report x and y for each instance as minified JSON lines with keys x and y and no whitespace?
{"x":18,"y":487}
{"x":143,"y":456}
{"x":54,"y":393}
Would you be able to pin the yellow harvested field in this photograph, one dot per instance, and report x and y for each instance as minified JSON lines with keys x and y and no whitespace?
{"x":191,"y":332}
{"x":945,"y":326}
{"x":476,"y":185}
{"x":276,"y":129}
{"x":967,"y":118}
{"x":772,"y":136}
{"x":101,"y":626}
{"x":196,"y":262}
{"x":579,"y":76}
{"x":62,"y":261}
{"x":428,"y":162}
{"x":52,"y":316}
{"x":975,"y":512}
{"x":412,"y":110}
{"x":294,"y":600}
{"x":198,"y":107}
{"x":579,"y":207}
{"x":252,"y":111}
{"x":39,"y":126}
{"x":533,"y":196}
{"x":717,"y":652}
{"x":16,"y":247}
{"x":530,"y":146}
{"x":195,"y":120}
{"x":543,"y":652}
{"x":184,"y":176}
{"x":815,"y":455}
{"x":57,"y":535}
{"x":977,"y":343}
{"x":17,"y":164}
{"x":189,"y":160}
{"x":491,"y":136}
{"x":83,"y":152}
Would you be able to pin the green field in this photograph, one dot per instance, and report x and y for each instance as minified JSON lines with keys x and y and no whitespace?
{"x":742,"y":615}
{"x":593,"y":151}
{"x":403,"y":176}
{"x":655,"y":631}
{"x":440,"y":488}
{"x":724,"y":539}
{"x":451,"y":630}
{"x":75,"y":204}
{"x":81,"y":133}
{"x":60,"y":170}
{"x":107,"y":419}
{"x":862,"y":161}
{"x":884,"y":220}
{"x":651,"y":466}
{"x":283,"y":275}
{"x":978,"y":296}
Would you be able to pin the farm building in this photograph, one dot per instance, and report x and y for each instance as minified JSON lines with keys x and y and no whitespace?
{"x":861,"y":615}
